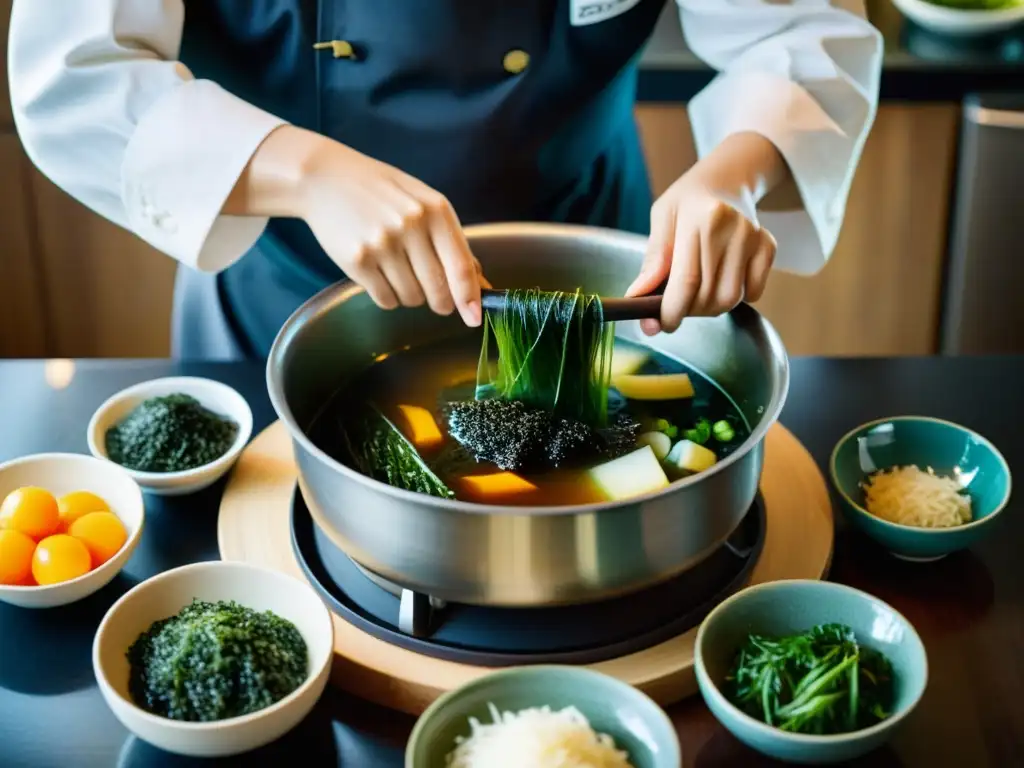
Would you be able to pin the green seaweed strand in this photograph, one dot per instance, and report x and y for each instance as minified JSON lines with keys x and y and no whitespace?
{"x":554,"y":353}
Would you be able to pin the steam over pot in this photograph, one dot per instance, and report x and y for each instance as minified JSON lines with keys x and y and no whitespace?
{"x":515,"y":556}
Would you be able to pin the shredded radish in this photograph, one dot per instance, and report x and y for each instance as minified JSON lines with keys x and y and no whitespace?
{"x":536,"y":738}
{"x":909,"y":496}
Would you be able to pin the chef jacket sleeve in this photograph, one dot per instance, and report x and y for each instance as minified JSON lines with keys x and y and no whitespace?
{"x":107,"y":113}
{"x":805,"y":75}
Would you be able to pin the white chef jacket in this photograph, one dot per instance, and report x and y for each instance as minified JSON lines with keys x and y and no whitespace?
{"x":107,"y":113}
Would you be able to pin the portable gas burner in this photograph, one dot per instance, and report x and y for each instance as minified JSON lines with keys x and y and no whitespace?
{"x":489,"y":636}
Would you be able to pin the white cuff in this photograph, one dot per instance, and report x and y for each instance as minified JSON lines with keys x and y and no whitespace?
{"x":821,"y":156}
{"x":181,"y":163}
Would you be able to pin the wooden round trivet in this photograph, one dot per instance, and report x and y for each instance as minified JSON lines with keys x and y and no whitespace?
{"x":254,"y":526}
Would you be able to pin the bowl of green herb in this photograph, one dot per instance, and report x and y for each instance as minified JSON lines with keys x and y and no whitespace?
{"x":174,"y":436}
{"x":809,"y":672}
{"x":214,"y":658}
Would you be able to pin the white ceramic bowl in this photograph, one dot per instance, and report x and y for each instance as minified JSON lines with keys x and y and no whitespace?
{"x":62,"y":473}
{"x":219,"y":398}
{"x":163,"y":596}
{"x":958,"y":22}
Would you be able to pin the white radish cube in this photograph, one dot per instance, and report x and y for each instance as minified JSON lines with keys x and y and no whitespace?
{"x":691,"y":457}
{"x":631,"y":475}
{"x":660,"y":443}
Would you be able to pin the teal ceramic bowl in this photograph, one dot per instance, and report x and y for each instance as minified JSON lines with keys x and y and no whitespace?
{"x":636,"y":723}
{"x":789,"y":607}
{"x":926,"y":442}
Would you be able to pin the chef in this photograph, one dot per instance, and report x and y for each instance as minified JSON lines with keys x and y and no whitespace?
{"x":272,"y":146}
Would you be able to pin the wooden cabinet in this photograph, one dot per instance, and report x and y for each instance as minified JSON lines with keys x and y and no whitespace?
{"x":880,"y":292}
{"x":23,"y":308}
{"x":108,"y":292}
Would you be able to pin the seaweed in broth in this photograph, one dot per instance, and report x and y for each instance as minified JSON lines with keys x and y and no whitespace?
{"x":433,"y":375}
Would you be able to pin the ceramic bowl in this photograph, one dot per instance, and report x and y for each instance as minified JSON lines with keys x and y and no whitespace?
{"x":62,"y":473}
{"x":636,"y":723}
{"x":959,"y":22}
{"x":163,"y":596}
{"x":788,"y":607}
{"x":218,"y":397}
{"x":926,"y":442}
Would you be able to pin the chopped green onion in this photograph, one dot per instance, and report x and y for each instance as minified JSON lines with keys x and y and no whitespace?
{"x":723,"y":431}
{"x":700,"y":434}
{"x":667,"y":427}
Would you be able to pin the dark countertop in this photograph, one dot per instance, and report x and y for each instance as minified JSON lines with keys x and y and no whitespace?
{"x":919,"y":65}
{"x":968,"y":608}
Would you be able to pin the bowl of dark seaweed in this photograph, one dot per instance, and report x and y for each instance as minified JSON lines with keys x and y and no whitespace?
{"x":809,"y":672}
{"x":548,"y":457}
{"x":175,"y":435}
{"x":214,"y":658}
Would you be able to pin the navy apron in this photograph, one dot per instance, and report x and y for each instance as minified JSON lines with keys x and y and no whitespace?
{"x":440,"y":89}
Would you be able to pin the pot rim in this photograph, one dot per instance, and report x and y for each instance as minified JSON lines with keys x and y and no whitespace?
{"x":335,"y":294}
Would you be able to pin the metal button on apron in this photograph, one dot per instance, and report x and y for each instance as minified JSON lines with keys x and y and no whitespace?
{"x":516,"y":61}
{"x":342,"y":49}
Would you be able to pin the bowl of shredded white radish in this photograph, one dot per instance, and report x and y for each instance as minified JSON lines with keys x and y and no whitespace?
{"x":544,"y":717}
{"x":922,"y":487}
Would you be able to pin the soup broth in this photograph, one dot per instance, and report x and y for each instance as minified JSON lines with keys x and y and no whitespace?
{"x":429,"y":377}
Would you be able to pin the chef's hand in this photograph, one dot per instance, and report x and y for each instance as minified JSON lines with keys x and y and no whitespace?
{"x":709,"y":255}
{"x":390,"y":233}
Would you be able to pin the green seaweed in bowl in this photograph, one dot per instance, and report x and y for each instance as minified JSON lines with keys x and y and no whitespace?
{"x":821,"y":681}
{"x":216,"y":660}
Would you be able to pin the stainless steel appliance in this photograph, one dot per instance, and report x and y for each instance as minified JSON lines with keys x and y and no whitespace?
{"x":984,"y":308}
{"x":515,"y":556}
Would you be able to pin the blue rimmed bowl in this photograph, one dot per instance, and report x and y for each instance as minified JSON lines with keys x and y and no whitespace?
{"x":926,"y":442}
{"x":634,"y":721}
{"x":780,"y":608}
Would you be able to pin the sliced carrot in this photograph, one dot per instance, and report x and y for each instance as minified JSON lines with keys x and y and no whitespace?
{"x":422,"y":429}
{"x":494,"y":487}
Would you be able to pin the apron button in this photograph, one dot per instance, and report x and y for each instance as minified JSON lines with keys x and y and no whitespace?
{"x":342,"y":49}
{"x":515,"y":61}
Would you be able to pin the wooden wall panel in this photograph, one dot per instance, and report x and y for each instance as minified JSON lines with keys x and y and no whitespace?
{"x":23,"y":314}
{"x":5,"y":99}
{"x":109,"y":292}
{"x":880,"y":292}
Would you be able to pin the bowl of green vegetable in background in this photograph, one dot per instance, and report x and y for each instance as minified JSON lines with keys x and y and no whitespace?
{"x":963,"y":18}
{"x":847,"y":667}
{"x":197,"y":424}
{"x":249,"y":619}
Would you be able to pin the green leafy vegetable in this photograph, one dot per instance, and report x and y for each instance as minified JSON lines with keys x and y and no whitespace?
{"x":171,"y":433}
{"x":214,"y":661}
{"x":382,"y":452}
{"x":820,"y":682}
{"x":700,"y":433}
{"x":723,"y":431}
{"x":554,"y":354}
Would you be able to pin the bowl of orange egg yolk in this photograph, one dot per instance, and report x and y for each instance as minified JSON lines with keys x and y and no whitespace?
{"x":68,"y":525}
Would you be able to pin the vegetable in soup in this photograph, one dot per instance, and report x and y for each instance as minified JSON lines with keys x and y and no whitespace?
{"x":441,"y":419}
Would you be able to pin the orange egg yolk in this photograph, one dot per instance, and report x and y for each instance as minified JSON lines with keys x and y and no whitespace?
{"x":32,"y":511}
{"x":15,"y":558}
{"x":59,"y":558}
{"x":102,"y":533}
{"x":76,"y":504}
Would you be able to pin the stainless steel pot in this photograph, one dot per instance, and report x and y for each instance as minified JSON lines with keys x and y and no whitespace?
{"x":513,"y":556}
